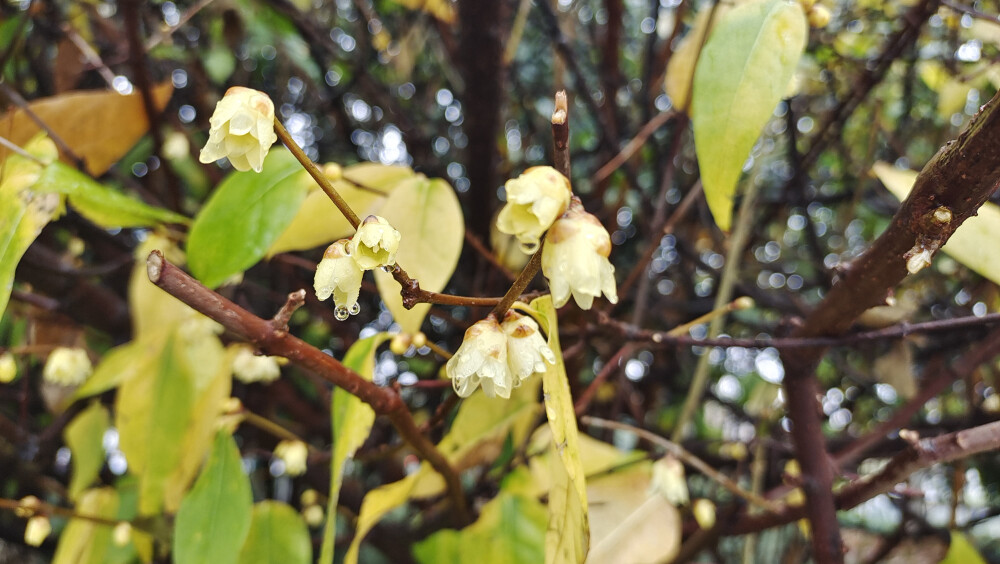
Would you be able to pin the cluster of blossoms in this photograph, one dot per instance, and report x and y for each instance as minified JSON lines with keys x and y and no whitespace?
{"x":339,"y":273}
{"x":575,"y":262}
{"x":498,"y":356}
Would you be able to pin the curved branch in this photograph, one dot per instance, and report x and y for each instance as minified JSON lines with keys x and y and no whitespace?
{"x":271,"y":338}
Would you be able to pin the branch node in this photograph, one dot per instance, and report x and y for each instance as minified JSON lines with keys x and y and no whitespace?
{"x":280,"y":320}
{"x":154,"y":266}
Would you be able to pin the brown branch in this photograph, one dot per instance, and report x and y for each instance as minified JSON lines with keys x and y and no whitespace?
{"x":959,"y":178}
{"x":270,"y":339}
{"x":922,"y":453}
{"x":902,"y":330}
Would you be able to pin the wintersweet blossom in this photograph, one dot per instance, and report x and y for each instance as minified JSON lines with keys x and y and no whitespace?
{"x":375,"y":244}
{"x":534,"y":200}
{"x":575,"y":259}
{"x":67,"y":366}
{"x":481,"y":361}
{"x":249,"y":367}
{"x":294,"y":454}
{"x":339,"y":275}
{"x":242,"y":129}
{"x":527,"y":351}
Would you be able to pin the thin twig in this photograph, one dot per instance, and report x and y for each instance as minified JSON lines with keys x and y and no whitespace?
{"x":688,"y":458}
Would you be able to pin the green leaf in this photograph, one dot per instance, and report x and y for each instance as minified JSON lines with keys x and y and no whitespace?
{"x":966,"y":244}
{"x":245,"y":215}
{"x":352,"y":422}
{"x":568,"y":535}
{"x":364,"y":187}
{"x":278,"y":535}
{"x":510,"y":529}
{"x":429,"y":218}
{"x":743,"y":72}
{"x":23,"y":214}
{"x":85,"y":437}
{"x":961,"y":551}
{"x":163,"y":416}
{"x":100,"y":204}
{"x":214,"y":518}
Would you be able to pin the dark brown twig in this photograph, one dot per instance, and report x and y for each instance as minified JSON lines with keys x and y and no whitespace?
{"x":267,"y":337}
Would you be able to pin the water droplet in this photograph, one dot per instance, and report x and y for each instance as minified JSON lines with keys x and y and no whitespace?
{"x":355,"y":309}
{"x":340,"y":313}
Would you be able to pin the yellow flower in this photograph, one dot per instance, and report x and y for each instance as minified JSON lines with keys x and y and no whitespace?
{"x":122,"y":533}
{"x":534,"y":200}
{"x":527,"y":351}
{"x":8,"y":368}
{"x":339,"y":275}
{"x":481,"y":360}
{"x":249,"y":367}
{"x":575,"y":259}
{"x":294,"y":454}
{"x":37,"y":531}
{"x":242,"y":129}
{"x":67,"y":367}
{"x":375,"y":244}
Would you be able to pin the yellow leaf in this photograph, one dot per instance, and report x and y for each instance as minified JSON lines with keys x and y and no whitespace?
{"x":376,"y":504}
{"x":961,"y":551}
{"x":568,"y":535}
{"x":85,"y":541}
{"x":319,"y":222}
{"x":352,"y":422}
{"x":98,"y":126}
{"x":743,"y":72}
{"x":428,"y":216}
{"x":441,"y":9}
{"x":629,"y":523}
{"x":972,"y":243}
{"x":152,"y":308}
{"x":680,"y":69}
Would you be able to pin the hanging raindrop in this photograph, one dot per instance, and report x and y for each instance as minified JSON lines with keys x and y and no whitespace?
{"x":340,"y":313}
{"x":355,"y":309}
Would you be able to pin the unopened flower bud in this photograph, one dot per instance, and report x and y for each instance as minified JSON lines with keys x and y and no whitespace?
{"x":704,"y":513}
{"x":309,"y":497}
{"x":742,"y":303}
{"x":249,"y":367}
{"x":375,"y":244}
{"x":232,"y":406}
{"x":534,"y":201}
{"x":400,"y":344}
{"x":313,"y":515}
{"x":575,"y":259}
{"x":333,"y":171}
{"x":242,"y":129}
{"x":8,"y":368}
{"x":27,"y":506}
{"x":67,"y":367}
{"x":339,"y":275}
{"x":37,"y":531}
{"x":122,"y":533}
{"x":419,"y":339}
{"x":294,"y":454}
{"x":481,"y":360}
{"x":527,"y":351}
{"x":819,"y":16}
